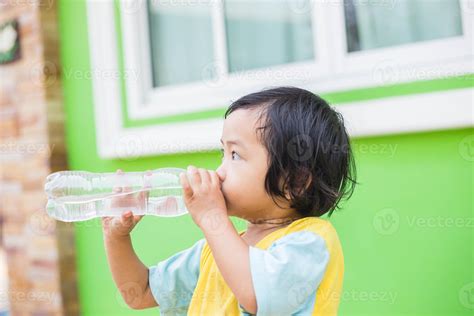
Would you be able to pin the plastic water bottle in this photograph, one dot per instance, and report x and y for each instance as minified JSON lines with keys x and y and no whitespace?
{"x":81,"y":195}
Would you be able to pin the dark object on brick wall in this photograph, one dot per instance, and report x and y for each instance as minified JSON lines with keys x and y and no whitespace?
{"x":9,"y":42}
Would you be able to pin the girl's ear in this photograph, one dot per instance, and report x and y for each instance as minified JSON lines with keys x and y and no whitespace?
{"x":298,"y":184}
{"x":285,"y":189}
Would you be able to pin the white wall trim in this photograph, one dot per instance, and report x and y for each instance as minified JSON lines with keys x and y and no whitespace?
{"x":411,"y":113}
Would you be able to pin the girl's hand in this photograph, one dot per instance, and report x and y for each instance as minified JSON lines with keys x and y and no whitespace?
{"x":123,"y":225}
{"x":203,"y":198}
{"x":120,"y":226}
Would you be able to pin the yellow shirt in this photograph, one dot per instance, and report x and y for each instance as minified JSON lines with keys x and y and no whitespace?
{"x":297,"y":269}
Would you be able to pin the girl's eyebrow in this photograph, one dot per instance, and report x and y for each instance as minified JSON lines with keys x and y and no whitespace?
{"x":234,"y":142}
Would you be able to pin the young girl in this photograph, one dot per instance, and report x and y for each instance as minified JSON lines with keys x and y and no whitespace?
{"x":286,"y":161}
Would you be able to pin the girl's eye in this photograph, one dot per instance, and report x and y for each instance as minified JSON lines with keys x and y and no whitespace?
{"x":234,"y":153}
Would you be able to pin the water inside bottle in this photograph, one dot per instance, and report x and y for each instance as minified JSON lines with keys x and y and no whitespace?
{"x":161,"y":201}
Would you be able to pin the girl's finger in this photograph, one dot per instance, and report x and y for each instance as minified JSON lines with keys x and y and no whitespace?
{"x":193,"y":176}
{"x":137,"y":218}
{"x":143,"y":196}
{"x":205,"y":178}
{"x":214,"y":178}
{"x":117,"y":188}
{"x":127,"y":218}
{"x":171,"y":204}
{"x":126,"y":188}
{"x":147,"y":179}
{"x":187,"y":190}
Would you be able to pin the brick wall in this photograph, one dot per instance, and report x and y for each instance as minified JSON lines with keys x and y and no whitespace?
{"x":39,"y":251}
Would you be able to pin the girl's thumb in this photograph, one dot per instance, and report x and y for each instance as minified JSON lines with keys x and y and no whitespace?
{"x":127,"y":218}
{"x":137,"y":218}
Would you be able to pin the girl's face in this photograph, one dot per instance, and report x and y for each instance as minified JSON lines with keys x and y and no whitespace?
{"x":244,"y":167}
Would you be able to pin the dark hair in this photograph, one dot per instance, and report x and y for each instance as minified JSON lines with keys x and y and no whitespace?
{"x":310,"y":155}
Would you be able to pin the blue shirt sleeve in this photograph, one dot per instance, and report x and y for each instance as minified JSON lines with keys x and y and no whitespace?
{"x":172,"y":281}
{"x":286,"y":276}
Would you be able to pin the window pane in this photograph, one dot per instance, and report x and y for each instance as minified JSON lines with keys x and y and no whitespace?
{"x":388,"y":23}
{"x":181,"y":40}
{"x":262,"y":33}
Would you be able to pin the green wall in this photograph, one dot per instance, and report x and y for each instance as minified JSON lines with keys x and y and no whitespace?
{"x":407,"y":232}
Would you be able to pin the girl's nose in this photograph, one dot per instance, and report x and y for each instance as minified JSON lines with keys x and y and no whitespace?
{"x":221,"y":173}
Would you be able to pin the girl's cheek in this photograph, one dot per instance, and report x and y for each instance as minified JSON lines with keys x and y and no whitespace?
{"x":225,"y":187}
{"x":230,"y":189}
{"x":238,"y":185}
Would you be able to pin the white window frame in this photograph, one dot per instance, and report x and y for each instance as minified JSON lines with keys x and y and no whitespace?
{"x":432,"y":59}
{"x":333,"y":71}
{"x":145,"y":101}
